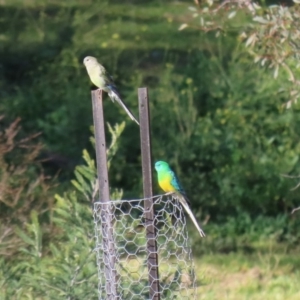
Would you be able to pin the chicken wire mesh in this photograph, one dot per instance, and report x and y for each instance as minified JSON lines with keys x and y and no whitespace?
{"x":127,"y":249}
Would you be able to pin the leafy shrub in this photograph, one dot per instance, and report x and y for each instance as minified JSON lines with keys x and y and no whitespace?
{"x":63,"y":266}
{"x":23,"y":184}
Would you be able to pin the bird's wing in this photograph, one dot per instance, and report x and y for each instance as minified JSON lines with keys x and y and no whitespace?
{"x":175,"y":182}
{"x":102,"y":71}
{"x":185,"y":201}
{"x":177,"y":185}
{"x":108,"y":78}
{"x":113,"y":93}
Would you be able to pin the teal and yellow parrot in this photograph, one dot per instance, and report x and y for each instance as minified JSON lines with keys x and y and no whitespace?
{"x":104,"y":81}
{"x":169,"y":183}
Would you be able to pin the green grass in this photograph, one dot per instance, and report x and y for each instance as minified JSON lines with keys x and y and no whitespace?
{"x":239,"y":276}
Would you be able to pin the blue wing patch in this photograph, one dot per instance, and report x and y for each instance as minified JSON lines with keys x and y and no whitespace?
{"x":177,"y":185}
{"x":175,"y":182}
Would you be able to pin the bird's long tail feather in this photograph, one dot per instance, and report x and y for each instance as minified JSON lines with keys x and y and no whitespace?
{"x":191,"y":215}
{"x":115,"y":96}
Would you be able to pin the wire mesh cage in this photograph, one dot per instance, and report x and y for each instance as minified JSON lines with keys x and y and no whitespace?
{"x":126,"y":249}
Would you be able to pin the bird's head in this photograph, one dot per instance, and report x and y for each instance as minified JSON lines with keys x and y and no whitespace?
{"x":161,"y":166}
{"x":90,"y":60}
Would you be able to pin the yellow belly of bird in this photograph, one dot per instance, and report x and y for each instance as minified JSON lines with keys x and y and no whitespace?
{"x":166,"y":185}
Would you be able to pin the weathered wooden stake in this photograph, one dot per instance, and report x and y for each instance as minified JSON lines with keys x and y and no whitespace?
{"x":148,"y":193}
{"x":106,"y":213}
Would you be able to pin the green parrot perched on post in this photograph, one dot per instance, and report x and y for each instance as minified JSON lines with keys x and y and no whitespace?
{"x":169,"y":182}
{"x":104,"y":81}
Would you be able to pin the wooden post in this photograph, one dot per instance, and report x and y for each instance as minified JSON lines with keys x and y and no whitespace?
{"x":148,"y":193}
{"x":106,"y":213}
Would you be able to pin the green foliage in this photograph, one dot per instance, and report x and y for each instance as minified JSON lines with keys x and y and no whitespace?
{"x":271,"y":34}
{"x":64,"y":268}
{"x":233,"y":139}
{"x":61,"y":264}
{"x":86,"y":175}
{"x":23,"y":184}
